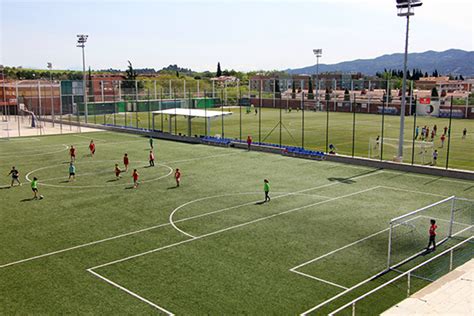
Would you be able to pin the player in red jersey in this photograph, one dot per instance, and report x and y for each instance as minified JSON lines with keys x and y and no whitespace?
{"x":177,"y":176}
{"x":126,"y":161}
{"x":72,"y":153}
{"x":92,"y":147}
{"x":432,"y":235}
{"x":249,"y":142}
{"x":135,"y":178}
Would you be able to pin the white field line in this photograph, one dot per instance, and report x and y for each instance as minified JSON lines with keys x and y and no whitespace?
{"x":131,"y":293}
{"x":338,"y":249}
{"x":172,"y":222}
{"x":125,"y":234}
{"x":414,"y":191}
{"x":319,"y":279}
{"x":211,"y":234}
{"x":435,"y":178}
{"x":355,"y":286}
{"x":283,"y":194}
{"x":233,"y":227}
{"x":96,"y":242}
{"x":66,"y":147}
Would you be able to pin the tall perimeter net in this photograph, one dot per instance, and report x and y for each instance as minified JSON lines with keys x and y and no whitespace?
{"x":408,"y":234}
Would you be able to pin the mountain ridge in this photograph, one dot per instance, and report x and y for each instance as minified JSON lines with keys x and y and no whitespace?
{"x":451,"y":61}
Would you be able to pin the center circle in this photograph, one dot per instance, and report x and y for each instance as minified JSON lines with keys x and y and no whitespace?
{"x":105,"y":173}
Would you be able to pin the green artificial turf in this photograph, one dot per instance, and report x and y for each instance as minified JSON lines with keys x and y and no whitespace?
{"x":224,"y":253}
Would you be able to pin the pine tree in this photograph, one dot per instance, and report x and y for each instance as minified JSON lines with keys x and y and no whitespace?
{"x":310,"y":89}
{"x":219,"y":71}
{"x":347,"y":96}
{"x":434,"y":93}
{"x":293,"y":89}
{"x":461,"y":77}
{"x":277,"y":88}
{"x":426,"y":75}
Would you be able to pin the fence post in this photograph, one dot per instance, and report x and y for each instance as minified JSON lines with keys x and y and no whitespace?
{"x":449,"y":133}
{"x":60,"y":108}
{"x":353,"y":124}
{"x":409,"y":283}
{"x":413,"y":136}
{"x":302,"y":119}
{"x":451,"y":260}
{"x":353,"y":309}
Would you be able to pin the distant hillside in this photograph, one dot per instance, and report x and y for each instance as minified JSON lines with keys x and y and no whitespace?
{"x":452,"y":61}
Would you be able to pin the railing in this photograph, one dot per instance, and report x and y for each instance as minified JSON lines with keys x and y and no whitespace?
{"x":408,"y":274}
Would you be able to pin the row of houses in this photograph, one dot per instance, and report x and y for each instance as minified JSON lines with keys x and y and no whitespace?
{"x":356,"y":81}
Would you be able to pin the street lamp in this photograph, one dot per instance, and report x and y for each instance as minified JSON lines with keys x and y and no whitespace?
{"x":405,"y":9}
{"x":81,"y":42}
{"x":318,"y":53}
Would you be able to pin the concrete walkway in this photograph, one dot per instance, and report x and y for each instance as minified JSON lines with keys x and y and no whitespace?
{"x":452,"y":294}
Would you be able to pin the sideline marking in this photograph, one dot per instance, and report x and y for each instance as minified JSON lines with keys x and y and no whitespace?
{"x":66,"y":147}
{"x":170,"y":218}
{"x":320,"y":280}
{"x":234,"y":227}
{"x":211,"y":234}
{"x":130,"y":292}
{"x":138,"y":231}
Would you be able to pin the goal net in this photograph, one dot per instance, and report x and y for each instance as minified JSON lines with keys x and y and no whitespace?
{"x":388,"y":147}
{"x":408,"y":234}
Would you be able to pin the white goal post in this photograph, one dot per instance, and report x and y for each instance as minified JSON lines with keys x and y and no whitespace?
{"x":408,"y":234}
{"x":423,"y":151}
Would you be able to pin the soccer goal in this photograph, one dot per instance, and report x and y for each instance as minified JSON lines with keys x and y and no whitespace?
{"x":408,"y":234}
{"x":423,"y":151}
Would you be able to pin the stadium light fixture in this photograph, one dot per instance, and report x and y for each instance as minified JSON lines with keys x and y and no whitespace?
{"x":318,"y":52}
{"x":405,"y":9}
{"x":81,"y":42}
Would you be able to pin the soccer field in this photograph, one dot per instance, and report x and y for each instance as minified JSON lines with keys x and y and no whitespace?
{"x":340,"y":131}
{"x":98,"y":246}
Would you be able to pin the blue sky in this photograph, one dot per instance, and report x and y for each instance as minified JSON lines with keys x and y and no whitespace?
{"x":243,"y":35}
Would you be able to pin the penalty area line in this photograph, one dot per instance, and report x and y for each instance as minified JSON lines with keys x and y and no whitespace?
{"x":141,"y":298}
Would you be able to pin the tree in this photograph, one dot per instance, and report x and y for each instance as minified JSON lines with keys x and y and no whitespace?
{"x":426,"y":75}
{"x":347,"y":96}
{"x":461,"y":77}
{"x":130,"y":78}
{"x":177,"y":74}
{"x":328,"y":94}
{"x":293,"y":89}
{"x":277,"y":88}
{"x":219,"y":71}
{"x":434,"y":93}
{"x":310,"y":89}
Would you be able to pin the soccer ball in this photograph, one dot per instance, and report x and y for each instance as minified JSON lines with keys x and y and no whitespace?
{"x":41,"y":197}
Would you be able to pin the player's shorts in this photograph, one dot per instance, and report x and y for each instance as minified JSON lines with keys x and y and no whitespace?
{"x":432,"y":237}
{"x":72,"y":173}
{"x":117,"y":174}
{"x":14,"y":177}
{"x":34,"y":190}
{"x":73,"y":155}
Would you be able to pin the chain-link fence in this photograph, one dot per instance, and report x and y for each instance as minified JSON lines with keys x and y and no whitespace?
{"x":358,"y":118}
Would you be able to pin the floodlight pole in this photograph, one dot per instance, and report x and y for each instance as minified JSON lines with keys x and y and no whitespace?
{"x":81,"y":42}
{"x":408,"y":6}
{"x":318,"y":53}
{"x":50,"y":67}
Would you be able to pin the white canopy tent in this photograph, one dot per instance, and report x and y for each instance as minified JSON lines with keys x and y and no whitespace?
{"x":190,"y":114}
